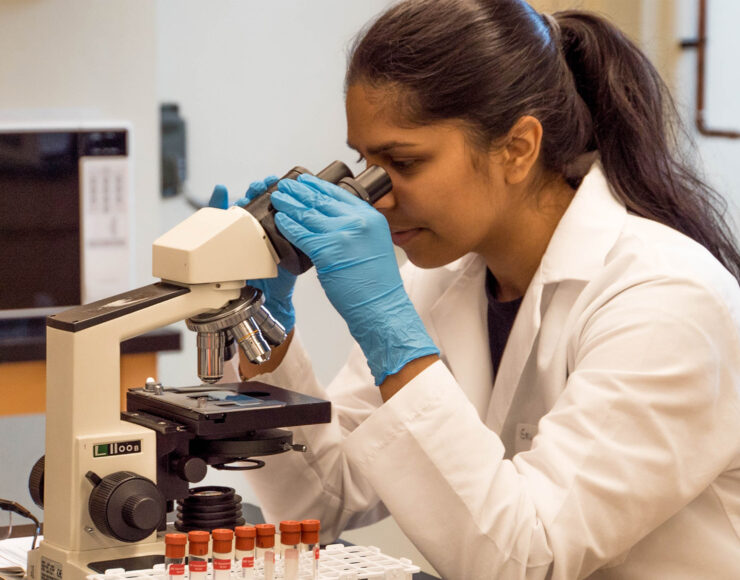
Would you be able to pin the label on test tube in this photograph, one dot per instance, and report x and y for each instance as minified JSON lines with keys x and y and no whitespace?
{"x":221,"y":564}
{"x":247,"y":571}
{"x":176,"y":570}
{"x":197,"y":566}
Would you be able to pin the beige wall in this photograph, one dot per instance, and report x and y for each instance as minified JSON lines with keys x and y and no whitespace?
{"x":650,"y":23}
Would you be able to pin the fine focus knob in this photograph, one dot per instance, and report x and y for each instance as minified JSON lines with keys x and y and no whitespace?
{"x":141,"y":512}
{"x":125,"y":506}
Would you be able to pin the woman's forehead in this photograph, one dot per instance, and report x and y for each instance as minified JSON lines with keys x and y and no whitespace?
{"x":375,"y":121}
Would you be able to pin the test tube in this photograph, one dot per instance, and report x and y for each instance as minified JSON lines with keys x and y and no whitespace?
{"x":174,"y":555}
{"x":244,"y":551}
{"x":198,"y":554}
{"x":290,"y":538}
{"x":310,"y":543}
{"x":266,"y":548}
{"x":222,"y":543}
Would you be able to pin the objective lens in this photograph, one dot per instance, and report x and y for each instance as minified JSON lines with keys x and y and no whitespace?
{"x":271,"y":329}
{"x":251,"y":341}
{"x":210,"y":356}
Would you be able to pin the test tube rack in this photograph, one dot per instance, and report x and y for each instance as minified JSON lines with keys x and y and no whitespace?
{"x":336,"y":562}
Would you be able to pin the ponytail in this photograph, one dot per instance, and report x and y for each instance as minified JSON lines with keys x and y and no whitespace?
{"x":635,"y":129}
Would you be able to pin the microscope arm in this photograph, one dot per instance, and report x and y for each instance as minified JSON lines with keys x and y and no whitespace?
{"x":203,"y":262}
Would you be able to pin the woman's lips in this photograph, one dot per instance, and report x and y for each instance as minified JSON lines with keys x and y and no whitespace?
{"x":402,"y":237}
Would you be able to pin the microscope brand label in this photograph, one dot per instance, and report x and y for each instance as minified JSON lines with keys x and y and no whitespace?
{"x":117,"y":448}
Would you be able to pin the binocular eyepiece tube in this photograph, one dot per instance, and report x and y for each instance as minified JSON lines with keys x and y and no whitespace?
{"x":370,"y":185}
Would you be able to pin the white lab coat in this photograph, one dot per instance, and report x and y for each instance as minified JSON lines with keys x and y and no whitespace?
{"x":608,"y":447}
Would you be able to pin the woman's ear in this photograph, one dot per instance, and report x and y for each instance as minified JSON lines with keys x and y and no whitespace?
{"x":521,"y":149}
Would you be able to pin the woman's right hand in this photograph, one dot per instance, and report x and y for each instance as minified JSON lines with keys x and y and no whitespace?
{"x":278,"y":291}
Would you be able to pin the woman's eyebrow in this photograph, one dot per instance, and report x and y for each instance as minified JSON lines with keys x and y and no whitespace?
{"x":384,"y":147}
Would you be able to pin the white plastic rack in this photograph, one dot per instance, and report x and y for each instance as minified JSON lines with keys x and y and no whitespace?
{"x":336,"y":562}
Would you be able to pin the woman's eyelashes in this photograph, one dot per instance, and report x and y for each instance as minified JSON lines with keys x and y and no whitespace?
{"x":404,"y":164}
{"x":399,"y":164}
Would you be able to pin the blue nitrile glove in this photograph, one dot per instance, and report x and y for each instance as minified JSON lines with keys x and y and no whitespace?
{"x":278,"y":291}
{"x":350,"y":244}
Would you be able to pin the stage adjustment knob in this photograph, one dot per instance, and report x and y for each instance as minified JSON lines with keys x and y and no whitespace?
{"x":192,"y":469}
{"x":125,"y":506}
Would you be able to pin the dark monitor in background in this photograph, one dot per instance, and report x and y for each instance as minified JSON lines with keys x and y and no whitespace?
{"x":65,"y":226}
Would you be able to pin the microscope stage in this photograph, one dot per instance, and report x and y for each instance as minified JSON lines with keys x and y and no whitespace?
{"x":230,"y":409}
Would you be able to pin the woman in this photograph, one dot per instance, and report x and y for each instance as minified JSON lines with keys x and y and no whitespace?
{"x":559,"y":371}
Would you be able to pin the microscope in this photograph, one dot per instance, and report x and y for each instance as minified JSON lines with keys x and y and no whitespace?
{"x":109,"y":478}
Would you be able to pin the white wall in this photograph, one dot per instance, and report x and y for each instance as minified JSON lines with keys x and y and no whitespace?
{"x":260,"y":86}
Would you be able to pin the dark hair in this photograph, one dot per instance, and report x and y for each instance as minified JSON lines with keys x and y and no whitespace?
{"x":489,"y":62}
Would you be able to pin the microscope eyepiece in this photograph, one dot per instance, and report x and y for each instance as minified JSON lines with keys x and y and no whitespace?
{"x":370,"y":185}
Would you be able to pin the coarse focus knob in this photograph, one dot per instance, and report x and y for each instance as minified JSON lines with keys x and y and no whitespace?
{"x":125,"y":506}
{"x":36,"y":482}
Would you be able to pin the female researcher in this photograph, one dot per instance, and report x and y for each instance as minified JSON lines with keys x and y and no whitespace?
{"x":541,"y":208}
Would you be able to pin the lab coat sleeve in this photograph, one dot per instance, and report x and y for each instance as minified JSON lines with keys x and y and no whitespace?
{"x":320,"y":484}
{"x":639,"y":431}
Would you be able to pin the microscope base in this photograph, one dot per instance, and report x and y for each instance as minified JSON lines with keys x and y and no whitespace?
{"x":48,"y":562}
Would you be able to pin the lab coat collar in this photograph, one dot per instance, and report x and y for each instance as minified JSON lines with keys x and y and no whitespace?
{"x":586,"y":232}
{"x":577,"y":250}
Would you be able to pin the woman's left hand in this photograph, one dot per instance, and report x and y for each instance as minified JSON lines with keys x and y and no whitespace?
{"x":349,"y":242}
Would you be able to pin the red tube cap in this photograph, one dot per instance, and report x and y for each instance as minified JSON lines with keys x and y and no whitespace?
{"x":265,"y":535}
{"x":245,"y":537}
{"x":310,"y":531}
{"x":174,"y":545}
{"x":222,"y":540}
{"x":199,"y":541}
{"x":290,"y":532}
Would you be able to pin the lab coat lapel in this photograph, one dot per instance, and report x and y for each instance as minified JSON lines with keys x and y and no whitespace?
{"x":577,"y":250}
{"x":516,"y":354}
{"x":461,"y":332}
